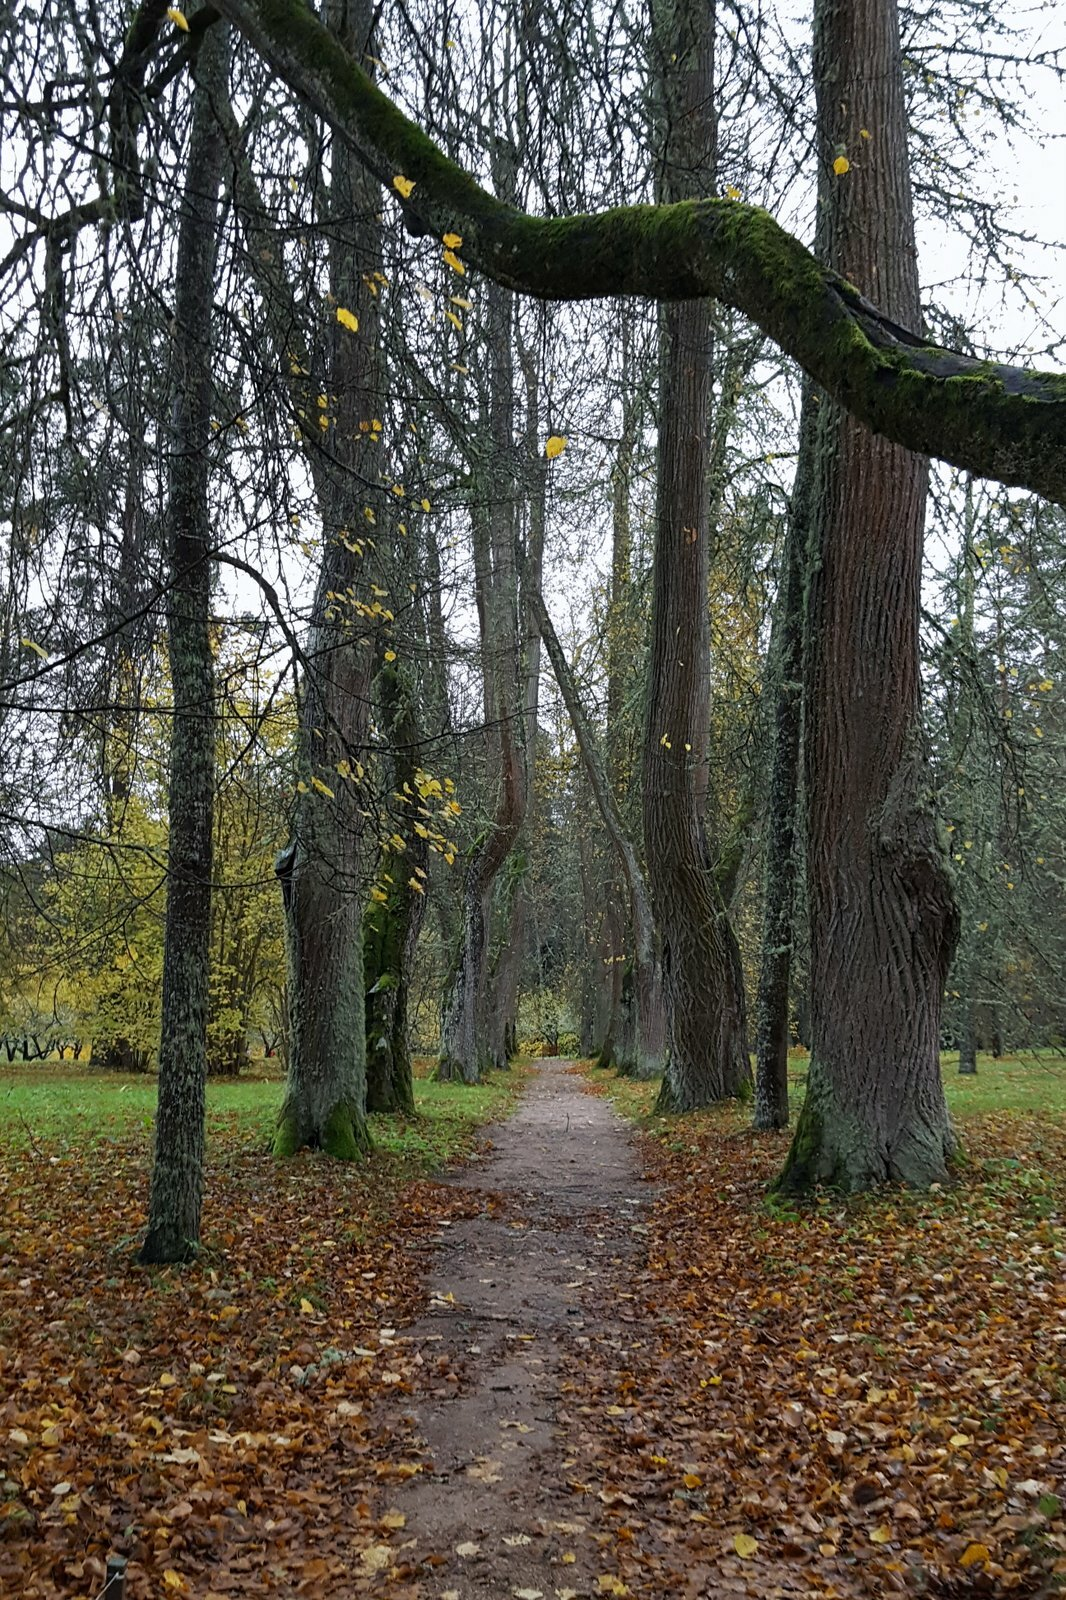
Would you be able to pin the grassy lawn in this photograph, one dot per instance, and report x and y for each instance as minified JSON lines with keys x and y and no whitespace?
{"x":1033,"y":1083}
{"x":60,"y":1108}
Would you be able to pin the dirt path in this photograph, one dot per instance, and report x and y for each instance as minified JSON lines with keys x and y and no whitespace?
{"x":518,"y":1295}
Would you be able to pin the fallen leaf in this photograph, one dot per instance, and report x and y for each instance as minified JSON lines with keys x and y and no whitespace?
{"x":376,"y":1558}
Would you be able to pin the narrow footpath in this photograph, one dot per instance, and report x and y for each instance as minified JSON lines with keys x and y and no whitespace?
{"x":517,"y":1296}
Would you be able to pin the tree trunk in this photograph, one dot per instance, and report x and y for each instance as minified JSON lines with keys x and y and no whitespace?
{"x":779,"y":873}
{"x":649,"y":1051}
{"x":321,"y":870}
{"x":177,"y":1173}
{"x":708,"y":1058}
{"x":883,"y":919}
{"x":391,"y":927}
{"x":968,"y":1039}
{"x":467,"y":1048}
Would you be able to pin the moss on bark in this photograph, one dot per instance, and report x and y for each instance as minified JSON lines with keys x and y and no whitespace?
{"x":995,"y":420}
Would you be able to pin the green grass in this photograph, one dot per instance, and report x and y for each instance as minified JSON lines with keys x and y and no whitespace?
{"x":60,"y":1108}
{"x":1033,"y":1082}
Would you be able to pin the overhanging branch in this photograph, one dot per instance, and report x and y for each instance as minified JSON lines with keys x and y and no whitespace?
{"x":995,"y":420}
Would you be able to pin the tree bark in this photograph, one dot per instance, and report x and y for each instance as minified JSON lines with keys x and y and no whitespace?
{"x":177,"y":1172}
{"x":708,"y":1058}
{"x":322,"y":869}
{"x":465,"y":1052}
{"x":391,"y":928}
{"x":649,"y":1054}
{"x":883,"y":919}
{"x":779,"y":872}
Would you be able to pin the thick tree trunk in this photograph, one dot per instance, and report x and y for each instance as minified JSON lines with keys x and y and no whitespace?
{"x":177,"y":1173}
{"x":779,"y":872}
{"x":883,"y":920}
{"x":708,"y":1058}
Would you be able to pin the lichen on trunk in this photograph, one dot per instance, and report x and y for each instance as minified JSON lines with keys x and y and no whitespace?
{"x":177,"y":1172}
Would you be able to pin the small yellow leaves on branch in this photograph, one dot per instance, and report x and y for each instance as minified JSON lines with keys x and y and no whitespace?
{"x":864,"y":133}
{"x":452,"y":241}
{"x":178,"y":18}
{"x":453,"y":261}
{"x":555,"y":446}
{"x":30,"y":644}
{"x":732,"y":193}
{"x":455,"y":321}
{"x":348,"y":319}
{"x":841,"y":165}
{"x":464,"y":305}
{"x":390,"y":655}
{"x":322,"y":788}
{"x":306,"y":1308}
{"x":745,"y":1546}
{"x":403,"y":185}
{"x":424,"y":504}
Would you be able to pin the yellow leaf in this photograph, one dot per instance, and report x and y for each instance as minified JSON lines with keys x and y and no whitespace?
{"x":864,"y":133}
{"x":468,"y":305}
{"x":172,"y":1579}
{"x":745,"y":1546}
{"x":403,"y":185}
{"x":453,"y":261}
{"x":307,"y":1308}
{"x":555,"y":446}
{"x":394,"y":1519}
{"x":881,"y":1535}
{"x":377,"y":1559}
{"x":344,"y":768}
{"x":452,"y":241}
{"x":692,"y":1480}
{"x":179,"y":19}
{"x":607,"y":1583}
{"x":28,"y":644}
{"x":348,"y":319}
{"x":959,"y":1439}
{"x":379,"y":895}
{"x":390,"y":655}
{"x":841,"y":165}
{"x":167,"y":1380}
{"x":732,"y":193}
{"x":323,"y":788}
{"x":973,"y":1554}
{"x":455,"y":321}
{"x":413,"y":883}
{"x":425,"y":505}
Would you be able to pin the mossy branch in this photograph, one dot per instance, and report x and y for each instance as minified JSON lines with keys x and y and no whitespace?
{"x":995,"y":420}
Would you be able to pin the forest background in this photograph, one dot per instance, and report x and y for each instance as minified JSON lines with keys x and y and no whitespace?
{"x":287,"y":543}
